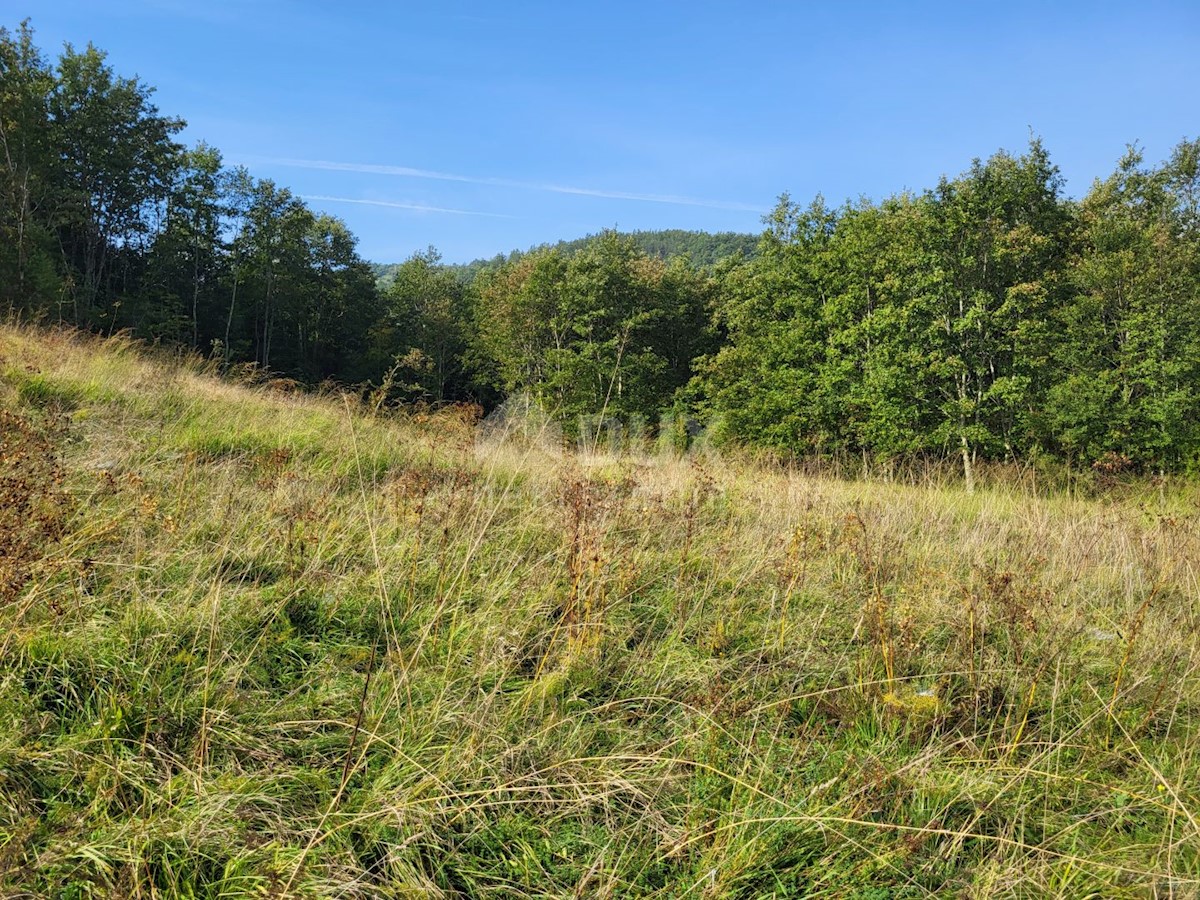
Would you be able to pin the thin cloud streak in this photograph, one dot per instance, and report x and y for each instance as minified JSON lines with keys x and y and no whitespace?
{"x":408,"y":172}
{"x":419,"y":207}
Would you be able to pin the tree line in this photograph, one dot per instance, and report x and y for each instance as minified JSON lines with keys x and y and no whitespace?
{"x":990,"y":317}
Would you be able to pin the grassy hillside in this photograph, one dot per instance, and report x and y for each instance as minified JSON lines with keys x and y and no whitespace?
{"x":259,"y":643}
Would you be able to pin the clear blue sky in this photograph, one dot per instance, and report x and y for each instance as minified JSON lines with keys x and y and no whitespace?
{"x":514,"y":123}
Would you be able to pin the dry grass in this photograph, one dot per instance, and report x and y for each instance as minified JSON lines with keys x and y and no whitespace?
{"x":286,"y":647}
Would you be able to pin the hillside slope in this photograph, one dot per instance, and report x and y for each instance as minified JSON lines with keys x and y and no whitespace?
{"x":254,"y":642}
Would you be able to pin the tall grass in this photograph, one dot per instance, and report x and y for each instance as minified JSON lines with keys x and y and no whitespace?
{"x":280,"y":645}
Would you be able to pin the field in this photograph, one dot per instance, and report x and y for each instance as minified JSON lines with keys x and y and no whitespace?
{"x":257,"y":642}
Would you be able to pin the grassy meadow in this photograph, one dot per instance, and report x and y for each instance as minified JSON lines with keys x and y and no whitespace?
{"x":260,"y":643}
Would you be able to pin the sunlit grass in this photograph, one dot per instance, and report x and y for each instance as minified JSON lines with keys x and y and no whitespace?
{"x":287,"y":647}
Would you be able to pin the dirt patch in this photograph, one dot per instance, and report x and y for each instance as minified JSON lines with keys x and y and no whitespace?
{"x":33,"y":503}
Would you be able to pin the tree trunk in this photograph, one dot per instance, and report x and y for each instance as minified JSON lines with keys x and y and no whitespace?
{"x":196,"y":295}
{"x":968,"y":467}
{"x":229,"y":321}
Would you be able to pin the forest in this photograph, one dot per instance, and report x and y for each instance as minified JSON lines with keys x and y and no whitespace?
{"x":990,"y":317}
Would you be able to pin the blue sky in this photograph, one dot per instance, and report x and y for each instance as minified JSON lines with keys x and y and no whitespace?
{"x":484,"y":127}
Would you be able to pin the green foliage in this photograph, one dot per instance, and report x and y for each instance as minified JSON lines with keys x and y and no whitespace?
{"x":1130,"y":336}
{"x":109,"y":224}
{"x":115,"y":163}
{"x":28,"y":277}
{"x":988,"y":318}
{"x":608,"y":331}
{"x":701,"y":248}
{"x":423,"y":333}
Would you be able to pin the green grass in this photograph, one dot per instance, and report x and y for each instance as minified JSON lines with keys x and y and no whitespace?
{"x":281,"y":647}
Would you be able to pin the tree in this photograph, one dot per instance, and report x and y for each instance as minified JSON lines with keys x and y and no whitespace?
{"x":519,"y":319}
{"x":913,"y":325}
{"x":116,"y":162}
{"x":1131,"y":335}
{"x":608,"y":331}
{"x":425,"y":326}
{"x":874,"y":390}
{"x":764,"y":383}
{"x":340,"y":304}
{"x":181,"y":294}
{"x":998,"y":233}
{"x":28,"y":278}
{"x":272,"y":262}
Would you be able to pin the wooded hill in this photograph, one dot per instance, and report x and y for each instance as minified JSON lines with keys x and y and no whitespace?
{"x":702,"y":248}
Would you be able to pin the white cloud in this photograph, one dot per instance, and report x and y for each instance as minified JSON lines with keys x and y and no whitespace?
{"x":394,"y":204}
{"x":408,"y":172}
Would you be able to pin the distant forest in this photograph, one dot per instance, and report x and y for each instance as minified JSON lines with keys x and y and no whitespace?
{"x":988,"y":317}
{"x":702,"y":248}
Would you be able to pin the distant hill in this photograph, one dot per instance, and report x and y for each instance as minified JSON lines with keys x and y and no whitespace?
{"x":703,"y":247}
